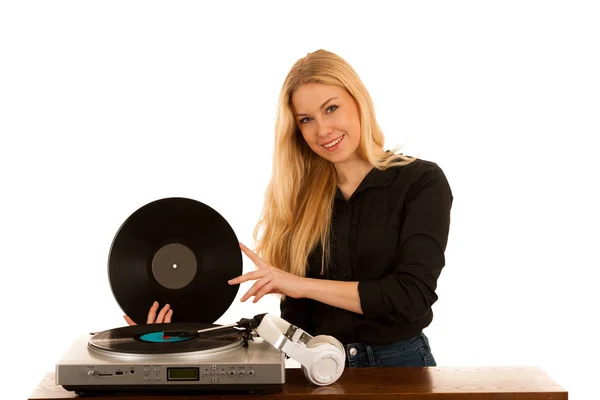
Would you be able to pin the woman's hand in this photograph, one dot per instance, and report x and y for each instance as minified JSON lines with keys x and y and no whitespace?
{"x":269,"y":280}
{"x":163,"y":316}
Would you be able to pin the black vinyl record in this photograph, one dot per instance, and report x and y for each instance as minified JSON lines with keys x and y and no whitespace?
{"x":149,"y":339}
{"x":177,"y":251}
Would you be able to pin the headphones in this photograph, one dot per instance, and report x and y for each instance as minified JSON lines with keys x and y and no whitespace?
{"x":322,"y":357}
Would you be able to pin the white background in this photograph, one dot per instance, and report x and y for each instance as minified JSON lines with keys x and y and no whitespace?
{"x":105,"y":106}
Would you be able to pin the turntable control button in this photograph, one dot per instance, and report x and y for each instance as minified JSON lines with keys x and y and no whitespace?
{"x":206,"y":373}
{"x":146,"y":370}
{"x":91,"y":372}
{"x":215,"y":380}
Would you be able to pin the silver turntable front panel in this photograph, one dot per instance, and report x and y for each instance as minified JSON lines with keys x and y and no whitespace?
{"x":259,"y":363}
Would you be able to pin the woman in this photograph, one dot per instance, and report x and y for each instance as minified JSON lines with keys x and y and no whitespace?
{"x":351,"y":235}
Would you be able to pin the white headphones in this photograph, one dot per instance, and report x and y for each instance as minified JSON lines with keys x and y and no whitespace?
{"x":322,"y":357}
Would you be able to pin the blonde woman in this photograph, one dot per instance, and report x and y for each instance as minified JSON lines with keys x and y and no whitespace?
{"x":353,"y":236}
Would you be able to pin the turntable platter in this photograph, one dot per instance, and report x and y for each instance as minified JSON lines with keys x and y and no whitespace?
{"x":149,"y":339}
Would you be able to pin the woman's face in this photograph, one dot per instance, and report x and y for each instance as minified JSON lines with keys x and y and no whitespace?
{"x":328,"y":119}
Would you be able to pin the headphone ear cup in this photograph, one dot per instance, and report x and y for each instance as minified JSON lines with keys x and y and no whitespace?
{"x":329,"y":360}
{"x":327,"y":339}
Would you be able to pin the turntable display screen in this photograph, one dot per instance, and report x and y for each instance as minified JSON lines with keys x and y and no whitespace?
{"x":182,"y":374}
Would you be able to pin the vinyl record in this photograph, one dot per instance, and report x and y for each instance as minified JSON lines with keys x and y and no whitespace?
{"x":149,"y":339}
{"x":177,"y":251}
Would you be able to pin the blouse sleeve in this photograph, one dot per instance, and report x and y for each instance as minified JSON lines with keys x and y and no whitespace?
{"x":408,"y":292}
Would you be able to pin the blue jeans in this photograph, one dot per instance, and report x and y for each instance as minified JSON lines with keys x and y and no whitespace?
{"x":413,"y":352}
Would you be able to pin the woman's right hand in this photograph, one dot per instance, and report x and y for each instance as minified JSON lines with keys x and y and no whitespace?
{"x":164,"y":316}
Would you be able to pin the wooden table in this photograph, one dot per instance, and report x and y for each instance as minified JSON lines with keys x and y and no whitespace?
{"x":442,"y":383}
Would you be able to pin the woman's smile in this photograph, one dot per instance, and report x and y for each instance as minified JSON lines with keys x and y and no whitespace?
{"x":334,"y":144}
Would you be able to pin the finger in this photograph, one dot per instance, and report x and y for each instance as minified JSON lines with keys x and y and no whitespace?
{"x":248,"y":277}
{"x":259,"y":262}
{"x":152,"y":313}
{"x":129,"y":320}
{"x":269,"y":288}
{"x":256,"y":287}
{"x":161,"y":315}
{"x":169,"y":316}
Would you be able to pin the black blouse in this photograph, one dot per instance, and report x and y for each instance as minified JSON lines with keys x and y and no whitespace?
{"x":390,"y":236}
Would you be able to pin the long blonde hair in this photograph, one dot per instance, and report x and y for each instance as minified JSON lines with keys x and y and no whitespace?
{"x":299,"y":198}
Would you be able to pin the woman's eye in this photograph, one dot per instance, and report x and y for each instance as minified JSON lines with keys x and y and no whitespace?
{"x":304,"y":120}
{"x":331,"y":109}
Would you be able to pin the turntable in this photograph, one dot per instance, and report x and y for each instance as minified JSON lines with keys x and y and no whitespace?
{"x":182,"y":252}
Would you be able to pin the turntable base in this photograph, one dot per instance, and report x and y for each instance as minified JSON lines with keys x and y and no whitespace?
{"x":257,"y":367}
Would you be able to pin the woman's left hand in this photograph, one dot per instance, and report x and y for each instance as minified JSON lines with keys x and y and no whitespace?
{"x":269,"y":279}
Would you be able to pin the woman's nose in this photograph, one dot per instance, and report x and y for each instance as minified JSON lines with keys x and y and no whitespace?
{"x":324,"y":129}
